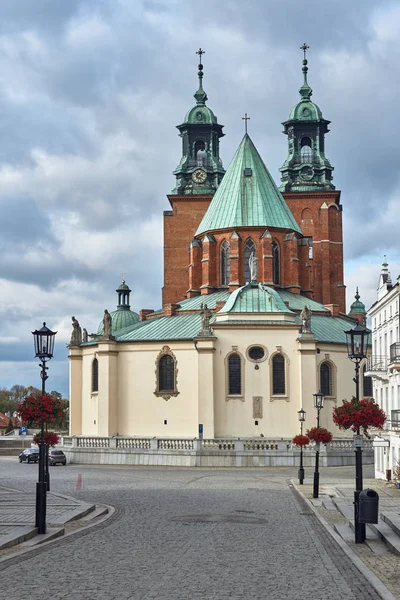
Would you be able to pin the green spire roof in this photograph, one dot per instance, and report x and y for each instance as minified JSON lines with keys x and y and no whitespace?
{"x":247,"y":196}
{"x":200,"y":114}
{"x":305,"y":110}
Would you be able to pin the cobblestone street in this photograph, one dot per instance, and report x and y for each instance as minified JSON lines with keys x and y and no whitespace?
{"x":184,"y":534}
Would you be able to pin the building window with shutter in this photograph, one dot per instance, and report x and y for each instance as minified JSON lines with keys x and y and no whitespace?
{"x":367,"y":384}
{"x":95,"y":375}
{"x":249,"y":249}
{"x":225,"y":263}
{"x":278,"y":375}
{"x":166,"y":374}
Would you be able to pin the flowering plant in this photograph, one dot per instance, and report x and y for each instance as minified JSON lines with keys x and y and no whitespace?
{"x":359,"y":414}
{"x":301,"y":440}
{"x":50,"y":438}
{"x":319,"y":434}
{"x":38,"y":408}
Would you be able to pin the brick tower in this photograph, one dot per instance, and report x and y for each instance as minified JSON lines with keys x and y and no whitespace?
{"x":308,"y":190}
{"x":198,"y":176}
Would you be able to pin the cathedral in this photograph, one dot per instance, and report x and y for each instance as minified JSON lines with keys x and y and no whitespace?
{"x":254,"y":303}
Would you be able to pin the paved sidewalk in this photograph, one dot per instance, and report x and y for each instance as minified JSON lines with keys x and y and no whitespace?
{"x":17,"y":517}
{"x":335,"y":509}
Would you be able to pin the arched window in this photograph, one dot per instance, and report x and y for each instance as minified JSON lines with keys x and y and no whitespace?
{"x":249,"y":249}
{"x":166,"y":374}
{"x":325,"y":379}
{"x":199,"y":152}
{"x":276,"y":267}
{"x":225,"y":263}
{"x":166,"y":370}
{"x":278,"y":375}
{"x":367,"y":384}
{"x":306,"y":149}
{"x":95,"y":375}
{"x":234,"y":374}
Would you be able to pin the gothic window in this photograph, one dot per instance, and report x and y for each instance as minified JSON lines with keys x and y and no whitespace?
{"x":234,"y":375}
{"x":249,"y":249}
{"x":367,"y":384}
{"x":225,"y":263}
{"x":95,"y":375}
{"x":325,"y":379}
{"x":306,"y":149}
{"x":276,"y":267}
{"x":278,"y":375}
{"x":166,"y":374}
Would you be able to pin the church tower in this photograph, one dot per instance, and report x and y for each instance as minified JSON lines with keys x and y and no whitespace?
{"x":307,"y":187}
{"x":198,"y":176}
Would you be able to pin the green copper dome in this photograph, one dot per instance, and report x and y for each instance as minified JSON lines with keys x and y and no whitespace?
{"x":200,"y":115}
{"x":357,"y":307}
{"x":255,"y":298}
{"x":305,"y":110}
{"x":123,"y":316}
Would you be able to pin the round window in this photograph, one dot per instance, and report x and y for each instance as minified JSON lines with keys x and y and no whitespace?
{"x":256,"y":352}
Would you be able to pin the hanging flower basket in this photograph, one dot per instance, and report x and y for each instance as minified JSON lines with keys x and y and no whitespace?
{"x":50,"y":438}
{"x":319,"y":435}
{"x":359,"y":415}
{"x":301,"y":440}
{"x":38,"y":408}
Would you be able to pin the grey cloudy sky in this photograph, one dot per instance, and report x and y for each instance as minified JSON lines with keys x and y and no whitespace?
{"x":90,"y":93}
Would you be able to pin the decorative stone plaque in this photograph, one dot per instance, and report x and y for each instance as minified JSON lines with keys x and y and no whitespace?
{"x":257,"y":407}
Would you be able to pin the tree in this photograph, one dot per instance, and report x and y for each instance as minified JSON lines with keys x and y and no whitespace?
{"x":359,"y":415}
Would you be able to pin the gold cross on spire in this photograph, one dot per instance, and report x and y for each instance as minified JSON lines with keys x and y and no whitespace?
{"x":200,"y":52}
{"x":304,"y":47}
{"x":245,"y":119}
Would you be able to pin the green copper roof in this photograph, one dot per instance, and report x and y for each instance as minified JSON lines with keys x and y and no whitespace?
{"x":247,"y":196}
{"x":305,"y":110}
{"x":298,"y":302}
{"x":209,"y":299}
{"x":330,"y":329}
{"x":357,"y":307}
{"x":177,"y":327}
{"x":254,"y":297}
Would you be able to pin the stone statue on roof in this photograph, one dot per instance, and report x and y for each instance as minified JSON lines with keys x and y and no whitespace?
{"x":84,"y":335}
{"x":205,"y":320}
{"x":253,"y":264}
{"x":107,"y":325}
{"x":306,"y":320}
{"x":76,"y":335}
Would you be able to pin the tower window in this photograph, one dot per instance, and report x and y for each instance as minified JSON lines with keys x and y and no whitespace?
{"x":234,"y":375}
{"x":95,"y":375}
{"x":276,"y":267}
{"x":199,"y":152}
{"x":306,"y":149}
{"x":278,"y":375}
{"x":249,"y":249}
{"x":225,"y":263}
{"x":367,"y":384}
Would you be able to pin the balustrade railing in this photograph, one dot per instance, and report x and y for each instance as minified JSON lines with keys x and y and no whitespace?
{"x":377,"y":362}
{"x":171,"y":444}
{"x":218,"y":444}
{"x":136,"y":443}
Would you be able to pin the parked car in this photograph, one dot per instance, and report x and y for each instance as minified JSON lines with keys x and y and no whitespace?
{"x":29,"y":455}
{"x":57,"y":457}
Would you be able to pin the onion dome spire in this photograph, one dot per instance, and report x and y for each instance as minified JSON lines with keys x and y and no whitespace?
{"x":200,"y":95}
{"x":357,"y":309}
{"x":305,"y":90}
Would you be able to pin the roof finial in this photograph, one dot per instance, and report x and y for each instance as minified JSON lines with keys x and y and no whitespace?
{"x":357,"y":296}
{"x":200,"y":95}
{"x":305,"y":90}
{"x":245,"y":119}
{"x":123,"y":277}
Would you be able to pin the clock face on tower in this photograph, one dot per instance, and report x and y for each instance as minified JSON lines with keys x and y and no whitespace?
{"x":199,"y":176}
{"x":307,"y":173}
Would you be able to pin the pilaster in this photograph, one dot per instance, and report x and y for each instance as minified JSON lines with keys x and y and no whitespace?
{"x":205,"y":350}
{"x":75,"y":387}
{"x":108,"y":388}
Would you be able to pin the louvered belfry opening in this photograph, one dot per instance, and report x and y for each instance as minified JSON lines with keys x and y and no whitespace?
{"x":166,"y":373}
{"x":234,"y":375}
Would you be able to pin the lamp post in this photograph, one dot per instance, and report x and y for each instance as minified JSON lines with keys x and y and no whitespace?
{"x":319,"y":404}
{"x":357,"y":341}
{"x":302,"y":418}
{"x":44,"y":345}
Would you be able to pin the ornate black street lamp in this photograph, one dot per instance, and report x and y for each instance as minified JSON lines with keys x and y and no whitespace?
{"x":302,"y":418}
{"x":44,"y":345}
{"x":357,"y":342}
{"x":318,"y":404}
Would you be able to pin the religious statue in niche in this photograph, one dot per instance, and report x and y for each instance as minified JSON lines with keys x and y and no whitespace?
{"x":76,"y":335}
{"x":306,"y":320}
{"x":253,"y":264}
{"x":205,"y":320}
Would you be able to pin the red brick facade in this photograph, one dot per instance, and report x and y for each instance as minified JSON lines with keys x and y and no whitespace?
{"x":314,"y":269}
